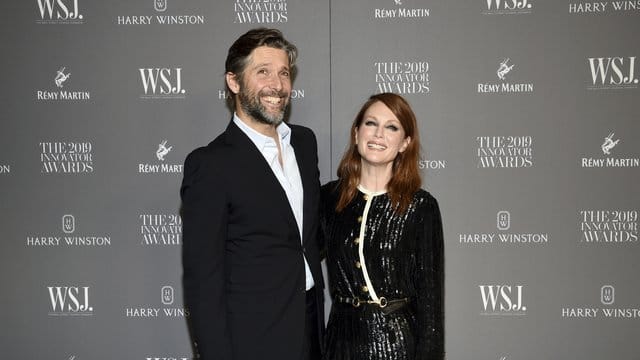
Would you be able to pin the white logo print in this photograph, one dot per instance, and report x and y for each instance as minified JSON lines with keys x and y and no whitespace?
{"x":607,"y":295}
{"x":167,"y":295}
{"x":398,"y":2}
{"x":160,"y":5}
{"x":609,"y":144}
{"x":61,"y":77}
{"x":502,"y":300}
{"x":504,"y":220}
{"x":504,"y":69}
{"x":163,"y":150}
{"x":70,"y":300}
{"x":68,"y":224}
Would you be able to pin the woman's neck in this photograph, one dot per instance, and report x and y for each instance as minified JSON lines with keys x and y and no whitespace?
{"x":375,"y":178}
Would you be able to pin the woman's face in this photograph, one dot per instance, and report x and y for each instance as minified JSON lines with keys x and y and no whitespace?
{"x":380,"y":136}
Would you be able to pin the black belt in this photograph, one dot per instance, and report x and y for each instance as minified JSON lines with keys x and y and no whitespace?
{"x":387,"y":306}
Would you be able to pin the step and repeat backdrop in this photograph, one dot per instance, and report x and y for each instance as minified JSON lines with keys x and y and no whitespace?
{"x":529,"y":121}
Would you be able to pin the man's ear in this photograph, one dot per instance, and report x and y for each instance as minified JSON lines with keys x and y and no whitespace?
{"x":232,"y":82}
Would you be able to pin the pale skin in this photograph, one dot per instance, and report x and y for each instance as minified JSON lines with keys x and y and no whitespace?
{"x":267,"y":73}
{"x":379,"y":138}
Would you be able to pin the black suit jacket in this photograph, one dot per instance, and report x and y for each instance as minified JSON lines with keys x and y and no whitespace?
{"x":244,"y":277}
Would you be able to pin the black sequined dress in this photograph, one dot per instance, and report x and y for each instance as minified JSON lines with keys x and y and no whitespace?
{"x":403,"y":257}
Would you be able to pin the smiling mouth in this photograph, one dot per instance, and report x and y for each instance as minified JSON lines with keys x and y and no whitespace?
{"x":272,"y":100}
{"x":375,"y":146}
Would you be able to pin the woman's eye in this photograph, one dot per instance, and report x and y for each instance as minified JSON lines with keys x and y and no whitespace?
{"x":370,"y":123}
{"x":392,"y":127}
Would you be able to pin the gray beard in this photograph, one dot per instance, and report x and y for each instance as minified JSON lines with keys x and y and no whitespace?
{"x":251,"y":106}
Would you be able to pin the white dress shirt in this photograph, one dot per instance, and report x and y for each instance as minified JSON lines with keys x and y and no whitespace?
{"x":287,"y":174}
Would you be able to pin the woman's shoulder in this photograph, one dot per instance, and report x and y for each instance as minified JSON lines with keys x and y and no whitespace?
{"x":330,"y":188}
{"x":424,"y":195}
{"x":424,"y":199}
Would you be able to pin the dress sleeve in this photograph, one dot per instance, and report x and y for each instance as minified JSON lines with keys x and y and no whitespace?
{"x":429,"y":277}
{"x":204,"y":229}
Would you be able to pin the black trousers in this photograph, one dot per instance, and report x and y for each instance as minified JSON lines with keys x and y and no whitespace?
{"x":311,"y":345}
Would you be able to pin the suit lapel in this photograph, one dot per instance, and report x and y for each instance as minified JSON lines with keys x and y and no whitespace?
{"x":252,"y":157}
{"x":305,"y":177}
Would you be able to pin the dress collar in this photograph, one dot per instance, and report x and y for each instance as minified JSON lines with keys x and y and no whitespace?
{"x":369,"y":192}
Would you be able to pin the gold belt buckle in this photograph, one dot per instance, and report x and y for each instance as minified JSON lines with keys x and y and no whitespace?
{"x":356,"y":302}
{"x":383,"y":302}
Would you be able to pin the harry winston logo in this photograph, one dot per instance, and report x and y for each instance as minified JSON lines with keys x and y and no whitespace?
{"x":504,"y":220}
{"x":609,"y":144}
{"x":160,"y":5}
{"x":167,"y":295}
{"x":68,"y":224}
{"x":607,"y":295}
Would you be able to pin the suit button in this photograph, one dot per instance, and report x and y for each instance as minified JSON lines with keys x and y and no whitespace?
{"x":356,"y":241}
{"x":366,"y":197}
{"x":358,"y":265}
{"x":365,"y":289}
{"x":359,"y":218}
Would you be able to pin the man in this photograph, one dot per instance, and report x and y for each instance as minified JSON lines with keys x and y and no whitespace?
{"x":250,"y":200}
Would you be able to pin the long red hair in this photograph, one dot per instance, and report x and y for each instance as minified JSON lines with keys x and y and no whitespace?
{"x":405,"y":178}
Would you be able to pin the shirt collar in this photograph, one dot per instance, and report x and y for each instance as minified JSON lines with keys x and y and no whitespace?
{"x":261,"y":140}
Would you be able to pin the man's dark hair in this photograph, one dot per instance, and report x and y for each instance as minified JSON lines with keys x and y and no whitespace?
{"x":238,"y":55}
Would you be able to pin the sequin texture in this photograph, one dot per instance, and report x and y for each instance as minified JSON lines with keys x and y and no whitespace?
{"x":403,"y":257}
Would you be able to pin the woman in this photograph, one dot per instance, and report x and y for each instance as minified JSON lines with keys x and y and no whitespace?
{"x":383,"y":236}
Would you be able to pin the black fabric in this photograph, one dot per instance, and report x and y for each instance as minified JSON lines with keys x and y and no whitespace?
{"x":244,"y":273}
{"x":311,"y":347}
{"x":404,"y":259}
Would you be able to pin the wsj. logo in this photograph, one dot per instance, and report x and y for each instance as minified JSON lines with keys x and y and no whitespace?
{"x":504,"y":69}
{"x":508,"y":5}
{"x":59,"y":11}
{"x":160,"y":5}
{"x":504,"y":220}
{"x":502,"y":300}
{"x":167,"y":295}
{"x":609,"y":144}
{"x":613,"y":72}
{"x":607,"y":295}
{"x":68,"y":224}
{"x":163,"y":150}
{"x":163,"y":83}
{"x":61,"y":77}
{"x":70,"y":301}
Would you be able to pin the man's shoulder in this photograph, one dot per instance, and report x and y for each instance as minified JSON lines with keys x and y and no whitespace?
{"x":299,"y":130}
{"x":216,"y":149}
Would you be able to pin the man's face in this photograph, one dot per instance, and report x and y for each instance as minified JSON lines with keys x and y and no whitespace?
{"x":265,"y":87}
